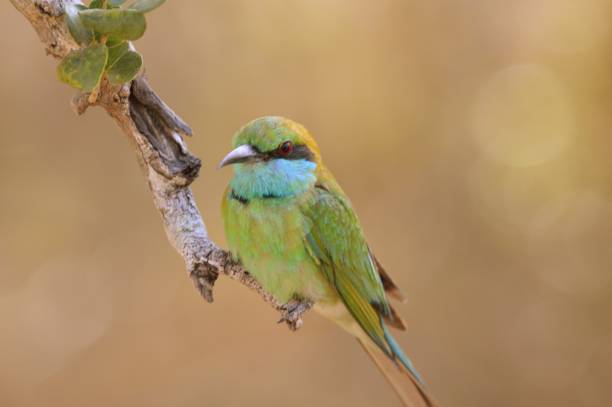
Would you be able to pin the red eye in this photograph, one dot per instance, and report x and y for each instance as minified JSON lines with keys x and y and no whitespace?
{"x":286,"y":148}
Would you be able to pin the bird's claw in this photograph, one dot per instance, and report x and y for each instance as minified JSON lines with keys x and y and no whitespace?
{"x":291,"y":313}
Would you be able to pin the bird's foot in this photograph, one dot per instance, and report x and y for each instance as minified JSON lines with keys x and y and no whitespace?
{"x":292,"y":312}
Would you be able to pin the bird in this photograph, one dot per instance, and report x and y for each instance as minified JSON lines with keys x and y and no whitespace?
{"x":288,"y":221}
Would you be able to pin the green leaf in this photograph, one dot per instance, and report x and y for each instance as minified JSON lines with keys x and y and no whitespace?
{"x":116,"y":3}
{"x":79,"y":32}
{"x":144,"y":6}
{"x":115,"y":52}
{"x":118,"y":23}
{"x":96,"y":4}
{"x":83,"y":68}
{"x":125,"y":68}
{"x":113,"y":42}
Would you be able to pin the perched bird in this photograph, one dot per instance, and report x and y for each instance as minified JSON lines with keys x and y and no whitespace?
{"x":291,"y":225}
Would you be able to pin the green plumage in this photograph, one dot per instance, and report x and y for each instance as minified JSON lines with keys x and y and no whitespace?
{"x":294,"y":229}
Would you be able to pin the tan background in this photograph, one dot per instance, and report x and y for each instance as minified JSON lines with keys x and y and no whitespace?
{"x":473,"y":137}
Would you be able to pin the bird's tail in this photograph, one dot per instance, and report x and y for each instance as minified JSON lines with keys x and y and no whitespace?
{"x":399,"y":372}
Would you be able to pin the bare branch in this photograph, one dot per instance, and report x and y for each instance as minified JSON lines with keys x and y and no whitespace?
{"x":157,"y":133}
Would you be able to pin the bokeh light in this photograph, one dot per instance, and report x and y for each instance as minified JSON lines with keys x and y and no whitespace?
{"x":523,"y":116}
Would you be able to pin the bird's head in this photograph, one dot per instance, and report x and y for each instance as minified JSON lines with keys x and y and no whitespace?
{"x":273,"y":157}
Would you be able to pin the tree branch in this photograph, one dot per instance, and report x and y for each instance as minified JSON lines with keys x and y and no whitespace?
{"x":158,"y":136}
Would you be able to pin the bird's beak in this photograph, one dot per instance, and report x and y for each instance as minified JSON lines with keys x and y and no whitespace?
{"x":240,"y":154}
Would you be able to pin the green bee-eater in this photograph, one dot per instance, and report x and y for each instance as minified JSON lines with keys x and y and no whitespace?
{"x":291,"y":225}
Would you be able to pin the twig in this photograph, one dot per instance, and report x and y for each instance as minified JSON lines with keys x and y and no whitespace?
{"x":157,"y":133}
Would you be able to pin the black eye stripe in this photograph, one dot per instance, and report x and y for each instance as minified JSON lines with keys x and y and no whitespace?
{"x":300,"y":152}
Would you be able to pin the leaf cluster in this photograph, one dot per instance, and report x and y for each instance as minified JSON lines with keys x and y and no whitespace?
{"x":104,"y":29}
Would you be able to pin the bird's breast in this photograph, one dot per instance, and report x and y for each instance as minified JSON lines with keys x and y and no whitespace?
{"x":267,"y":234}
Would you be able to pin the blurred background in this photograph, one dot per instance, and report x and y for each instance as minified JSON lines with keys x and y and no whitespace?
{"x":472,"y":136}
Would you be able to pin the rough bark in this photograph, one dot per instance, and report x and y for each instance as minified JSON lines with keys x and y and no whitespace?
{"x":158,"y":136}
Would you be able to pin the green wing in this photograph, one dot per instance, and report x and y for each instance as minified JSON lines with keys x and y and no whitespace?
{"x":337,"y":244}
